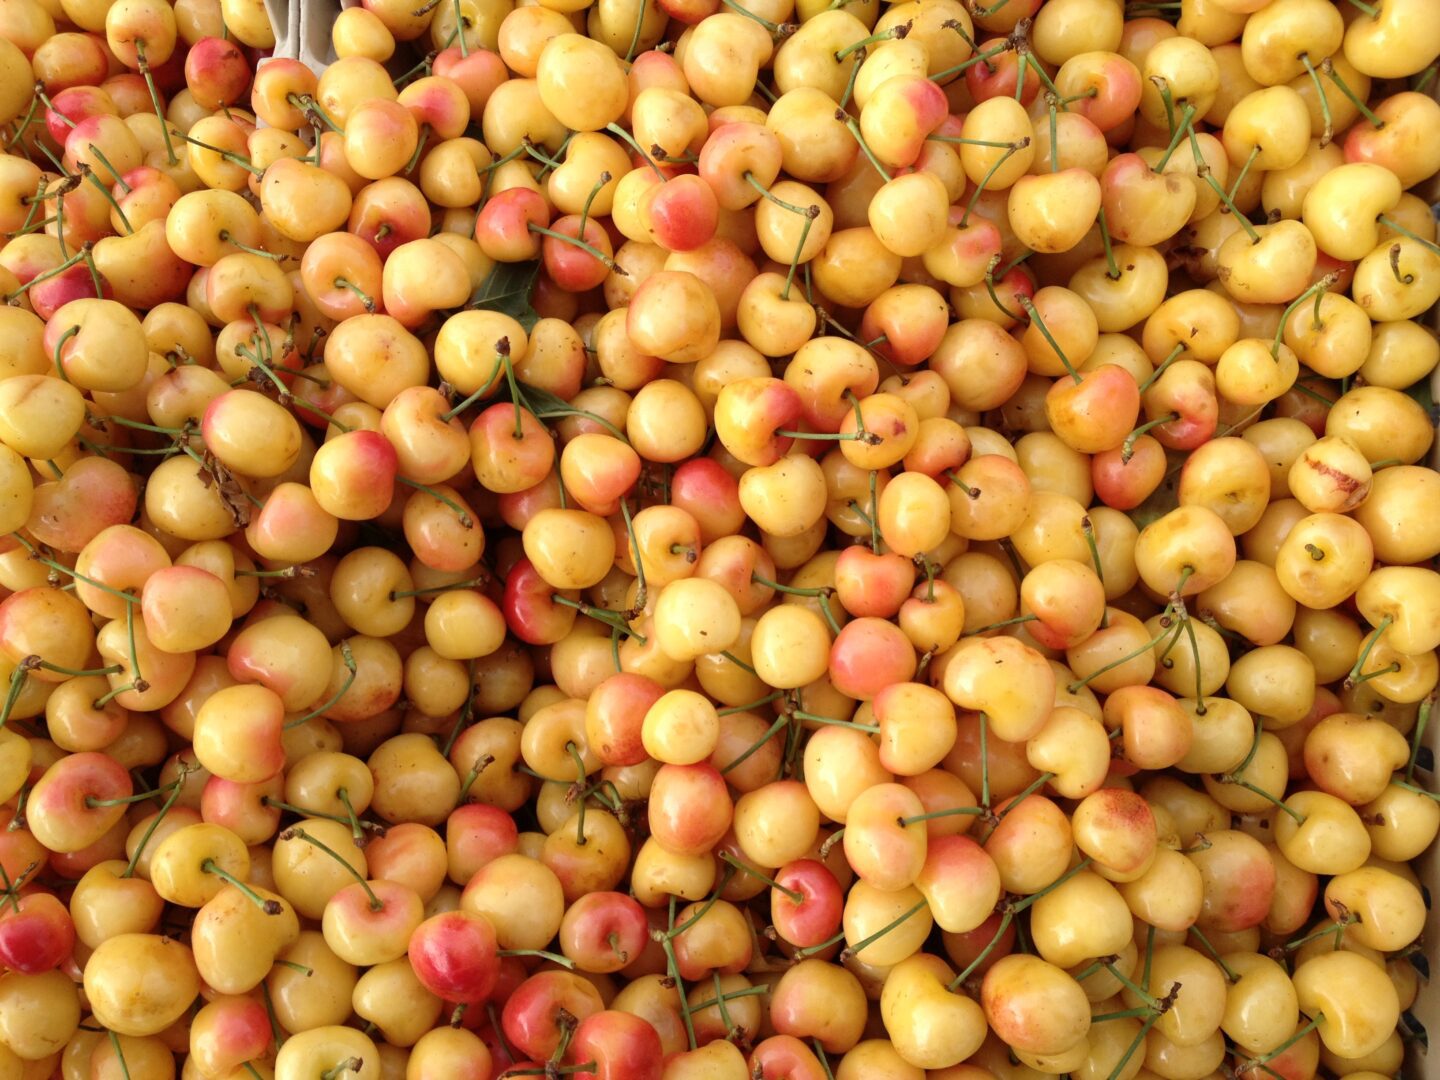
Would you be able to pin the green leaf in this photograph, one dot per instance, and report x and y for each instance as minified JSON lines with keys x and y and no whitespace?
{"x":546,"y":406}
{"x":507,"y":289}
{"x":1423,"y":396}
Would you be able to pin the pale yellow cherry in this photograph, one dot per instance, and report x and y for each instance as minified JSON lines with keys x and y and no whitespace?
{"x":1354,"y":996}
{"x":681,"y":728}
{"x":694,"y":617}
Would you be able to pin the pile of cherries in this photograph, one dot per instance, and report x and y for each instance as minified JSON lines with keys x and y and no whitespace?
{"x":717,"y":540}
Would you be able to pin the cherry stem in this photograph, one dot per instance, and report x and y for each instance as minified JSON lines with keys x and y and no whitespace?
{"x":1127,"y":449}
{"x":895,"y":32}
{"x":777,"y":29}
{"x":1422,"y":81}
{"x":234,"y":158}
{"x":1175,"y":139}
{"x":600,"y":182}
{"x":728,"y":655}
{"x":860,"y":55}
{"x":554,"y":958}
{"x":1173,"y":355}
{"x":502,"y":353}
{"x":1316,"y":290}
{"x":950,"y":811}
{"x":626,"y":137}
{"x":1328,"y":67}
{"x":466,"y":521}
{"x":1034,"y":314}
{"x":720,"y":998}
{"x":575,"y":241}
{"x":269,"y":907}
{"x":1328,"y":131}
{"x":1422,"y":721}
{"x":12,"y":695}
{"x":853,"y":126}
{"x":1034,"y":786}
{"x":349,"y":660}
{"x":1391,"y":223}
{"x":353,"y":1064}
{"x":114,"y":1038}
{"x":864,"y":943}
{"x":711,"y":900}
{"x":970,"y":968}
{"x":1016,"y":621}
{"x":978,"y":58}
{"x":827,"y":721}
{"x":295,"y":832}
{"x":672,"y":967}
{"x":1354,"y":676}
{"x":780,"y":722}
{"x":1230,"y":975}
{"x":1013,"y":148}
{"x":144,"y":67}
{"x":1315,"y":1022}
{"x":94,"y":804}
{"x":746,"y":707}
{"x":994,"y":295}
{"x":227,"y":238}
{"x":614,"y":619}
{"x":1074,"y":687}
{"x":730,"y":860}
{"x":365,"y":298}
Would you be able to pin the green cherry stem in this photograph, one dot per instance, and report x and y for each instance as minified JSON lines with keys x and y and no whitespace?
{"x":1013,"y":148}
{"x":297,"y":833}
{"x":959,"y":980}
{"x":853,"y":126}
{"x":731,"y":860}
{"x":1033,"y":312}
{"x":895,"y":32}
{"x":1354,"y":676}
{"x":1328,"y":67}
{"x":349,"y":660}
{"x":269,"y":907}
{"x":1325,"y":284}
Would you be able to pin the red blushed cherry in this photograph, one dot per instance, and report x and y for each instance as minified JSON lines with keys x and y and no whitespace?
{"x":387,"y":213}
{"x":867,"y":583}
{"x":1123,"y":484}
{"x":54,"y":293}
{"x":543,"y":1006}
{"x":502,"y":228}
{"x":911,"y":318}
{"x":999,"y":75}
{"x":621,"y":1045}
{"x":965,"y":948}
{"x":573,"y":268}
{"x":689,"y":12}
{"x":65,"y":810}
{"x":784,"y":1057}
{"x":690,"y":808}
{"x":682,"y":212}
{"x":604,"y":931}
{"x":73,"y":105}
{"x":477,"y":74}
{"x":37,"y":935}
{"x":868,"y":655}
{"x":1096,"y":413}
{"x":750,"y":412}
{"x":1186,"y":390}
{"x":455,"y":956}
{"x":476,"y":835}
{"x":1114,"y":80}
{"x":530,"y":610}
{"x":216,"y":72}
{"x":229,"y":1031}
{"x":964,"y":250}
{"x":614,"y":715}
{"x":816,"y":915}
{"x":711,"y":495}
